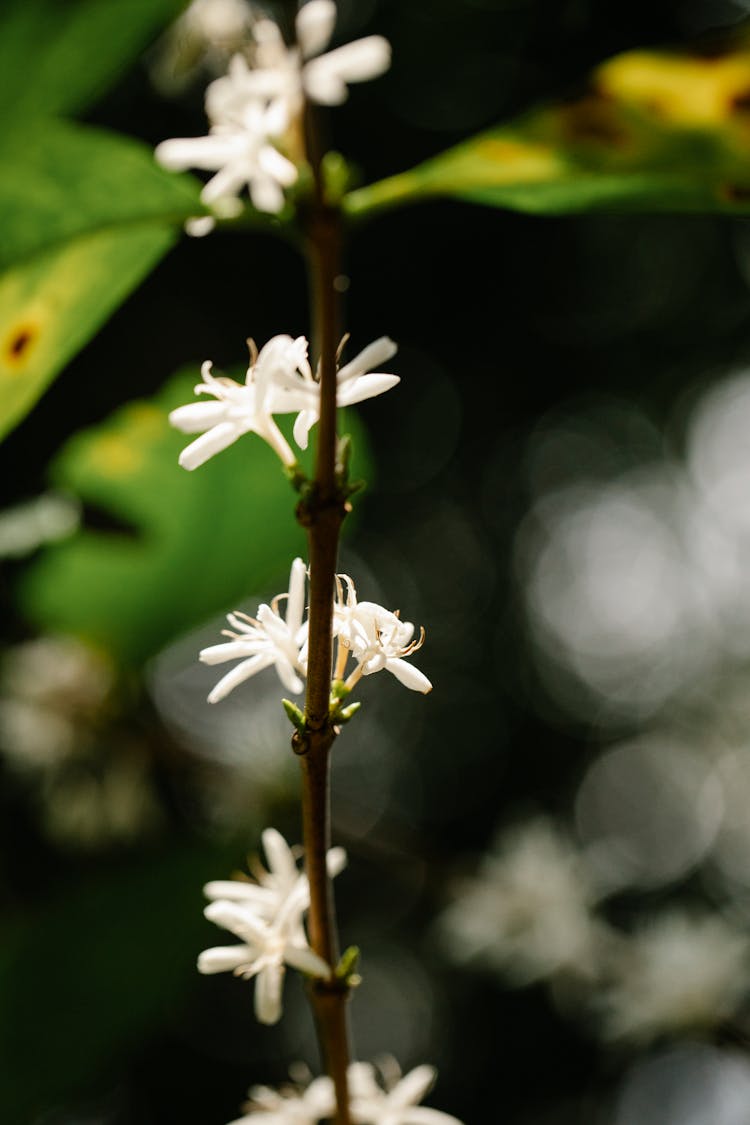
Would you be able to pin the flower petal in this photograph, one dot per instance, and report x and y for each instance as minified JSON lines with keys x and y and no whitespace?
{"x":197,"y":417}
{"x":314,"y":25}
{"x":412,"y":1087}
{"x":239,"y":919}
{"x":335,"y":861}
{"x":268,"y":986}
{"x":408,"y":675}
{"x":306,"y":961}
{"x":288,"y":676}
{"x":422,"y":1115}
{"x":209,"y":153}
{"x":295,"y":606}
{"x":365,"y":386}
{"x":229,"y":650}
{"x":239,"y":674}
{"x":207,"y":445}
{"x":236,"y":890}
{"x":281,"y":862}
{"x":223,"y":958}
{"x":303,"y":423}
{"x":379,"y":351}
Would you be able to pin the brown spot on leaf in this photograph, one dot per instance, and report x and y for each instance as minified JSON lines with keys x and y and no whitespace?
{"x":735,"y":193}
{"x":741,"y":101}
{"x":595,"y":120}
{"x":19,"y":343}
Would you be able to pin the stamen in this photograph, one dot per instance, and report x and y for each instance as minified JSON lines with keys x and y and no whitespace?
{"x":339,"y":350}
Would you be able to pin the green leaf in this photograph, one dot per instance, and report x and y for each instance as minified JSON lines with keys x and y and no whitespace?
{"x":655,"y":131}
{"x":84,"y":216}
{"x":62,"y":180}
{"x":57,"y":56}
{"x":200,"y":541}
{"x":52,"y":305}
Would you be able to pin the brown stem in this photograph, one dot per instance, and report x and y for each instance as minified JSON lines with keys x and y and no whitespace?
{"x":322,"y":512}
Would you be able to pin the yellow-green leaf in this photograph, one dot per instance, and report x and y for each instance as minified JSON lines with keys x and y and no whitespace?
{"x":51,"y":305}
{"x":654,"y":131}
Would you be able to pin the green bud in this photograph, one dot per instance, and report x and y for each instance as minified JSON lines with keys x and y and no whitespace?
{"x":295,"y":716}
{"x":296,"y":476}
{"x":337,"y":177}
{"x":347,"y":713}
{"x":339,"y":690}
{"x":346,"y":970}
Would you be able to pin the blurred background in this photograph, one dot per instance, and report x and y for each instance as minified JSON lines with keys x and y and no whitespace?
{"x":549,"y":857}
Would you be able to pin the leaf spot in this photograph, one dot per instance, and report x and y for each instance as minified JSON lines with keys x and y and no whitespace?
{"x":19,"y":344}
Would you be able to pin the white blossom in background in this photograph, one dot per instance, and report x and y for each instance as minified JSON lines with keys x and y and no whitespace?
{"x":241,"y":156}
{"x":269,"y":638}
{"x":241,"y":408}
{"x":281,"y":75}
{"x":528,"y":912}
{"x":204,"y":37}
{"x":681,"y":972}
{"x":254,"y":109}
{"x":53,"y":694}
{"x":376,"y":638}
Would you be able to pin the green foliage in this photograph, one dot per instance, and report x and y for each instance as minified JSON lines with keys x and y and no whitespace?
{"x":198,"y":541}
{"x":655,"y":131}
{"x":84,"y":214}
{"x":52,"y":305}
{"x":92,"y":972}
{"x":57,"y":56}
{"x":62,"y":181}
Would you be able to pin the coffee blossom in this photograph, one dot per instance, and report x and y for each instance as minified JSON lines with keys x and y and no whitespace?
{"x":269,"y":638}
{"x":376,"y":638}
{"x":242,"y":408}
{"x":254,"y":110}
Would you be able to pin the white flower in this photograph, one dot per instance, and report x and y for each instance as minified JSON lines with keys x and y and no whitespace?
{"x":240,"y":155}
{"x":267,"y":915}
{"x":290,"y":1105}
{"x":241,"y":409}
{"x":371,"y":1105}
{"x":355,"y":382}
{"x":206,"y":34}
{"x":282,"y":76}
{"x":266,"y":949}
{"x":375,"y":638}
{"x":676,"y":974}
{"x":254,"y":108}
{"x":266,"y":897}
{"x":265,"y":640}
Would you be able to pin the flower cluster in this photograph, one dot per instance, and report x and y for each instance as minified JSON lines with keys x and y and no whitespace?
{"x":254,"y":110}
{"x":394,"y":1101}
{"x":373,"y":636}
{"x":279,"y":380}
{"x":266,"y":915}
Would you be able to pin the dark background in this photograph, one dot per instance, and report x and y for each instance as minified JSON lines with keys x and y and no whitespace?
{"x":500,"y":318}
